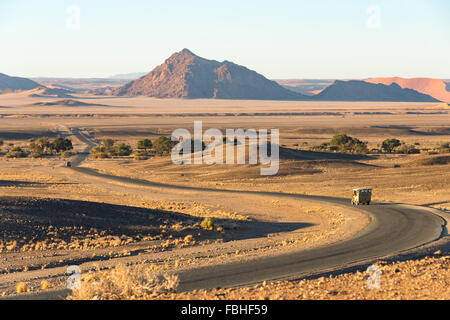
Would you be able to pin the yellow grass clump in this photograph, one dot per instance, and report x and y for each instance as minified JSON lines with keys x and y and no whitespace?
{"x":21,"y":287}
{"x":207,"y":223}
{"x":45,"y":285}
{"x":125,"y":283}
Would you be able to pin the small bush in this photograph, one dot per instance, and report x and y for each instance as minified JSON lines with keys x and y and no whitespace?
{"x":389,"y":145}
{"x":21,"y":287}
{"x":407,"y":149}
{"x":61,"y":145}
{"x":144,"y":144}
{"x":100,"y":155}
{"x":138,"y":156}
{"x":163,"y":146}
{"x":16,"y":152}
{"x":207,"y":223}
{"x":444,"y":147}
{"x":66,"y":154}
{"x":121,"y":149}
{"x":343,"y":143}
{"x":109,"y":148}
{"x":124,"y":283}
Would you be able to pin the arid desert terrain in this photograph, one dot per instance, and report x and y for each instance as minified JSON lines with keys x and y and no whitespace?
{"x":147,"y":212}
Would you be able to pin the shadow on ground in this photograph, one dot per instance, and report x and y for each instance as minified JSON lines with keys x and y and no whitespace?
{"x":25,"y":219}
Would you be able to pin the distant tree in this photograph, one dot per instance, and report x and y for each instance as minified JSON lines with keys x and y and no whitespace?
{"x":407,"y":149}
{"x":98,"y":152}
{"x":122,"y":149}
{"x":344,"y":143}
{"x":40,"y":146}
{"x":44,"y":145}
{"x":108,"y":144}
{"x":61,"y":144}
{"x":389,"y":145}
{"x":1,"y":143}
{"x":144,"y":144}
{"x":340,"y":139}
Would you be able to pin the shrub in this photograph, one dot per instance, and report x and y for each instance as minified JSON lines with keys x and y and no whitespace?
{"x":407,"y":149}
{"x":144,"y":144}
{"x":100,"y":155}
{"x":207,"y":223}
{"x":375,"y":150}
{"x":140,"y":156}
{"x":41,"y":146}
{"x":61,"y":144}
{"x":343,"y":143}
{"x":66,"y":154}
{"x":16,"y":152}
{"x":163,"y":146}
{"x":124,"y":283}
{"x":121,"y":149}
{"x":444,"y":147}
{"x":105,"y":150}
{"x":21,"y":287}
{"x":389,"y":145}
{"x":108,"y":143}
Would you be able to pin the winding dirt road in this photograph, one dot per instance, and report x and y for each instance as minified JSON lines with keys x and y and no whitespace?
{"x":394,"y":228}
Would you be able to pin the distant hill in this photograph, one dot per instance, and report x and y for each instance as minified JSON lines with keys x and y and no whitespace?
{"x":356,"y":90}
{"x":50,"y":92}
{"x":131,"y":76}
{"x":186,"y":75}
{"x":308,"y":87}
{"x":8,"y":83}
{"x":67,"y":103}
{"x":434,"y":87}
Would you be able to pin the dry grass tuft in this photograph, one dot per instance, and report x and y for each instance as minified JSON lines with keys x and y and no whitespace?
{"x":45,"y":285}
{"x":125,"y":283}
{"x":21,"y":287}
{"x":207,"y":223}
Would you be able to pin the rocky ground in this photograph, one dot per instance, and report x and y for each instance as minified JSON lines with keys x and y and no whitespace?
{"x":428,"y":278}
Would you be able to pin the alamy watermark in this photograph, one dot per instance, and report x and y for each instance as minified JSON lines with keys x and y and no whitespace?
{"x":374,"y":17}
{"x":208,"y":147}
{"x":73,"y":21}
{"x":74,"y":279}
{"x":374,"y":280}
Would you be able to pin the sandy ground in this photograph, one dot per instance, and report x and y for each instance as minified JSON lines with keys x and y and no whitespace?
{"x":423,"y":279}
{"x":245,"y":226}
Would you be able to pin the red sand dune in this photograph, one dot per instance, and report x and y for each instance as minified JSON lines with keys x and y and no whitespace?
{"x":433,"y":87}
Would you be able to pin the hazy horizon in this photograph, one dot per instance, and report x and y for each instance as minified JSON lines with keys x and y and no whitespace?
{"x":283,"y":40}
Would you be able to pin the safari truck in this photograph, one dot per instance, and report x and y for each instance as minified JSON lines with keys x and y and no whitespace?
{"x":361,"y":196}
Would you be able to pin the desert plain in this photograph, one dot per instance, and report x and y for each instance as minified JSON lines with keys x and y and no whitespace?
{"x":59,"y":216}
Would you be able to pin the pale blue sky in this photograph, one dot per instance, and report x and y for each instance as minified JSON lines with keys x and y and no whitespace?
{"x":280,"y":39}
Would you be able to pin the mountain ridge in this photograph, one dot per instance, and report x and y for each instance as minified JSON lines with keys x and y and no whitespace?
{"x":436,"y":88}
{"x":357,"y":90}
{"x":186,"y":75}
{"x":9,"y":83}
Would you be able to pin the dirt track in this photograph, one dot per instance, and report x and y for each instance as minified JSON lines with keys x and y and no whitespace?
{"x":407,"y":223}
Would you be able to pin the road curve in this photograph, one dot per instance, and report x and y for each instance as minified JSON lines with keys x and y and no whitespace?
{"x":394,"y":228}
